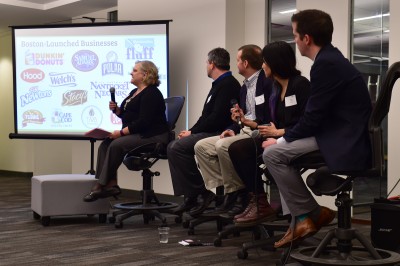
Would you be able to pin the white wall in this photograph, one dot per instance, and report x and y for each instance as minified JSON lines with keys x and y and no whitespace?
{"x":15,"y":155}
{"x":393,"y":117}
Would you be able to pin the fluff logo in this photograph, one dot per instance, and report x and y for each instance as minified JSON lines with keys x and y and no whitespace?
{"x":139,"y":49}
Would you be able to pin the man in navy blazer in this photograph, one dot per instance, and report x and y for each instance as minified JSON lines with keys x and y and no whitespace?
{"x":335,"y":122}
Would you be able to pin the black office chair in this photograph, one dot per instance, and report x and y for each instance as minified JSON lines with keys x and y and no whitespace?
{"x":323,"y":182}
{"x":142,"y":159}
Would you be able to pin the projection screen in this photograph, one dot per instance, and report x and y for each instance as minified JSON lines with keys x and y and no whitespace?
{"x":63,"y":73}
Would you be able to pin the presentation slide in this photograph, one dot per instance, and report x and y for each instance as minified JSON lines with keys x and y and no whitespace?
{"x":63,"y":74}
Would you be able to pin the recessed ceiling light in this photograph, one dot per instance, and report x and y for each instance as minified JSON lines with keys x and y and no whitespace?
{"x":288,"y":11}
{"x":372,"y":17}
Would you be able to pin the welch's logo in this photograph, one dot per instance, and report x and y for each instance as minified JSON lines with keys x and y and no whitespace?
{"x":85,"y":60}
{"x":32,"y":75}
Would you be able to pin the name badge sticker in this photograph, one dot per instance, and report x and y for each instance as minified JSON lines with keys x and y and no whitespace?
{"x":290,"y":101}
{"x":260,"y":99}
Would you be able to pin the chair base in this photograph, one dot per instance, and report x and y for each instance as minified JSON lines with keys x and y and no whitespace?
{"x":148,"y":210}
{"x":358,"y":256}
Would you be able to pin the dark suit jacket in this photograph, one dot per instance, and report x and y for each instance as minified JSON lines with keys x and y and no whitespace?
{"x":337,"y":113}
{"x":263,"y":87}
{"x":216,"y":115}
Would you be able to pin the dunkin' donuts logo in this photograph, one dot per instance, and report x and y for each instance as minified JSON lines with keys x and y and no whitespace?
{"x":74,"y":97}
{"x":32,"y":75}
{"x":85,"y":60}
{"x":32,"y":117}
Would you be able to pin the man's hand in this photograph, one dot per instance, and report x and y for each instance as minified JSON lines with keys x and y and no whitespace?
{"x":268,"y":142}
{"x":184,"y":133}
{"x":236,"y":113}
{"x":227,"y":133}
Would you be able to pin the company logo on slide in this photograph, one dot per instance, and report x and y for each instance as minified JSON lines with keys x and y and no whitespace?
{"x":91,"y":116}
{"x":112,"y":66}
{"x":33,"y":95}
{"x":59,"y":117}
{"x":74,"y":97}
{"x":44,"y":58}
{"x":66,"y":79}
{"x":32,"y":75}
{"x":32,"y":117}
{"x":139,"y":49}
{"x":85,"y":60}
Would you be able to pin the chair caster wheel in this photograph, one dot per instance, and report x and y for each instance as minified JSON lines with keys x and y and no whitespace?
{"x":178,"y":220}
{"x":45,"y":220}
{"x":119,"y":225}
{"x":217,"y":242}
{"x":36,"y":216}
{"x":191,"y":232}
{"x":242,"y":254}
{"x":102,"y":218}
{"x":111,"y":220}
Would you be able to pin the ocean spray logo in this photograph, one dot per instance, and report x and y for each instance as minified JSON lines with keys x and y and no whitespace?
{"x":32,"y":117}
{"x":33,"y":95}
{"x":66,"y":79}
{"x":112,"y":66}
{"x":91,"y":117}
{"x":139,"y":49}
{"x":44,"y":59}
{"x":85,"y":60}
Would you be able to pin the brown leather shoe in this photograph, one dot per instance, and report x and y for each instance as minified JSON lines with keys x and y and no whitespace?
{"x":303,"y":229}
{"x":261,"y":212}
{"x":326,"y":216}
{"x":251,"y":205}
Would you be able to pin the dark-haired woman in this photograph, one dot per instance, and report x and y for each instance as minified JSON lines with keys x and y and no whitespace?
{"x":287,"y":104}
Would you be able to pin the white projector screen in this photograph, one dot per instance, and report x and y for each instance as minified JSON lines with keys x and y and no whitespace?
{"x":63,"y":73}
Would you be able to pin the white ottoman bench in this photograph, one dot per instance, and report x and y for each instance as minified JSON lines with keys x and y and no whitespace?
{"x":62,"y":194}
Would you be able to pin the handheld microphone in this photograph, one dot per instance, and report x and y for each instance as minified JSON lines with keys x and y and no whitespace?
{"x":234,"y":103}
{"x":112,"y":93}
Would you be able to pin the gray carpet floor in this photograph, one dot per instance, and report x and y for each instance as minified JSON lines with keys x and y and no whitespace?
{"x":82,"y":240}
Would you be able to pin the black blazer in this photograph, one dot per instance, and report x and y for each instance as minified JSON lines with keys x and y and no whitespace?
{"x":337,"y":113}
{"x":298,"y":87}
{"x":263,"y":87}
{"x":216,"y":115}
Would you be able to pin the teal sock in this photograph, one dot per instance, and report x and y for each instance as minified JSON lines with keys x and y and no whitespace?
{"x":302,"y":217}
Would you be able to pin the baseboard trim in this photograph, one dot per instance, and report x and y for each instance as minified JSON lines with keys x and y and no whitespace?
{"x":15,"y":174}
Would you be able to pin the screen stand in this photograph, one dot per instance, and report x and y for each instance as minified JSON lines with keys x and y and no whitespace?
{"x":91,"y":170}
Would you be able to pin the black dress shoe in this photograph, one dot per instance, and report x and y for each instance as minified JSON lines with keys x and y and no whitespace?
{"x":113,"y":191}
{"x":188,"y":203}
{"x":208,"y":197}
{"x":92,"y":196}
